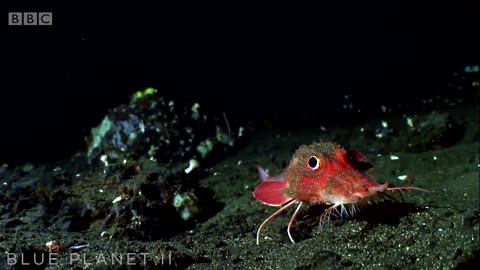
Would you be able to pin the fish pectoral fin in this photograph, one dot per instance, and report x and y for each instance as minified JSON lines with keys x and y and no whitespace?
{"x":272,"y":192}
{"x":263,"y":175}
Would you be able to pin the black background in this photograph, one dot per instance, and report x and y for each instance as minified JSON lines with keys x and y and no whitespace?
{"x":248,"y":59}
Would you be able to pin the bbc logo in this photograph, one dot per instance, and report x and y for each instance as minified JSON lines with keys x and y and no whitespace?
{"x":30,"y":18}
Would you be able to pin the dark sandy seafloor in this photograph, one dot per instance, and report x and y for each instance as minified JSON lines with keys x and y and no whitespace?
{"x":412,"y":230}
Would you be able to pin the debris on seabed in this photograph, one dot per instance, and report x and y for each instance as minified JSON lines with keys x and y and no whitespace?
{"x":405,"y":178}
{"x":393,"y":157}
{"x":192,"y":165}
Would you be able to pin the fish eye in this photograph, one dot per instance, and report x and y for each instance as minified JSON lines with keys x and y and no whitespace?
{"x":313,"y":162}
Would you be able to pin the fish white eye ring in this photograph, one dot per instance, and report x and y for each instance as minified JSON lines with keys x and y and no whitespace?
{"x":313,"y":162}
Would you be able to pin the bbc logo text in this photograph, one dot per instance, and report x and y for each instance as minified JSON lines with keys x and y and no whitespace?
{"x":30,"y":18}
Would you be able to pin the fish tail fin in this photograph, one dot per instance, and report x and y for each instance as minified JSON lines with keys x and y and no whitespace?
{"x":407,"y":188}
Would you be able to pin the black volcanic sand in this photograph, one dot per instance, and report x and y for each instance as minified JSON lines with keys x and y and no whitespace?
{"x":411,"y":230}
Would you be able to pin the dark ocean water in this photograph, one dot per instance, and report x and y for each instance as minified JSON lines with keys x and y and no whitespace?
{"x":251,"y":61}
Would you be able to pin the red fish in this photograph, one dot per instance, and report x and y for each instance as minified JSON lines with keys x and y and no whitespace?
{"x":322,"y":173}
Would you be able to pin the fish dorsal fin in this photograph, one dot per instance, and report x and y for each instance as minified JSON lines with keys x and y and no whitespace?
{"x":358,"y":160}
